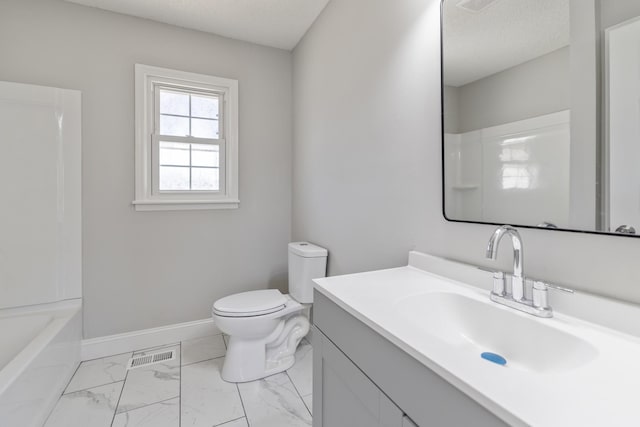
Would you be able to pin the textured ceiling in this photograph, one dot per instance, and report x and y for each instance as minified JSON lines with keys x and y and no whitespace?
{"x":277,"y":23}
{"x":501,"y":36}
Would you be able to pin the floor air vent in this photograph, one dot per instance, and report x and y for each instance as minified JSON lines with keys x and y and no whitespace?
{"x":151,"y":359}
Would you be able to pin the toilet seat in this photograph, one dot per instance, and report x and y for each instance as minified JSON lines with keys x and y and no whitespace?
{"x":250,"y":304}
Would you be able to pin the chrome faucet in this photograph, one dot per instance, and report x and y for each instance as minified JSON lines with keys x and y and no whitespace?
{"x":517,"y":284}
{"x":538,"y":305}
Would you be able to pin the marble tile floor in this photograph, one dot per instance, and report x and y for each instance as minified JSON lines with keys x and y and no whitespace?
{"x":184,"y":392}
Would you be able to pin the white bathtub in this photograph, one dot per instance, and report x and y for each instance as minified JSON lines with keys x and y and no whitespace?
{"x":39,"y":352}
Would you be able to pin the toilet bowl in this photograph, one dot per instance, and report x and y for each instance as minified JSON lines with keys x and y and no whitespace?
{"x":266,"y":326}
{"x":260,"y":344}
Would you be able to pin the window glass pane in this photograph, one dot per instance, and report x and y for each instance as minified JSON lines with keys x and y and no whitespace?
{"x":173,"y":178}
{"x":204,"y":106}
{"x":174,"y":126}
{"x":204,"y":128}
{"x":204,"y":155}
{"x":174,"y":103}
{"x":174,"y":153}
{"x":205,"y":179}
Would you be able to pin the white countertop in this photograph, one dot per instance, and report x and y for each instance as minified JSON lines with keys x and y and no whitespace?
{"x":602,"y":392}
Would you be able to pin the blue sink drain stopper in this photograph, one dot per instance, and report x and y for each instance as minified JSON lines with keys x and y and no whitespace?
{"x":495,"y":358}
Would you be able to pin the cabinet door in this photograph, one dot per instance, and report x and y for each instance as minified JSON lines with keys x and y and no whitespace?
{"x":344,"y":396}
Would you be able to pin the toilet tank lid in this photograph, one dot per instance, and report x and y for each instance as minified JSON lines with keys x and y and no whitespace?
{"x":307,"y":250}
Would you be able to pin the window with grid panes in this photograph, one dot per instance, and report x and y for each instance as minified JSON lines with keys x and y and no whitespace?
{"x":187,"y":140}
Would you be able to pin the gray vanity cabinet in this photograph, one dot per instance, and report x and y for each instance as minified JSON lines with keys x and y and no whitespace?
{"x":348,"y":398}
{"x":360,"y":379}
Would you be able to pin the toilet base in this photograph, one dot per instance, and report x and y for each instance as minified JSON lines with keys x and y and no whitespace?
{"x":250,"y":360}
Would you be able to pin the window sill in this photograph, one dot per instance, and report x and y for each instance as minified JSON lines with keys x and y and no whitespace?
{"x":184,"y":205}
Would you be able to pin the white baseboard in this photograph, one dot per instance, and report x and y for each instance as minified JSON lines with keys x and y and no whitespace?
{"x":95,"y":348}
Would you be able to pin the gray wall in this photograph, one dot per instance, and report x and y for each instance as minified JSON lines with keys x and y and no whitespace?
{"x":364,"y":102}
{"x":537,"y":87}
{"x":147,"y":269}
{"x":451,"y":107}
{"x":613,"y":12}
{"x":367,"y":165}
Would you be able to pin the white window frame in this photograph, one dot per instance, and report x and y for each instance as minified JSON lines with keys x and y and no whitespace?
{"x":148,"y":80}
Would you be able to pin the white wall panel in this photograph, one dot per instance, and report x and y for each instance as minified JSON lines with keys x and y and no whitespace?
{"x":40,"y":225}
{"x":623,"y":83}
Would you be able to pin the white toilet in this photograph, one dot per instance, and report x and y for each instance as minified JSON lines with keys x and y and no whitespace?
{"x":265,"y":327}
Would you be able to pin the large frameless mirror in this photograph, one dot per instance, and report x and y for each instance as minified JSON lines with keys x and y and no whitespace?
{"x":541,"y":113}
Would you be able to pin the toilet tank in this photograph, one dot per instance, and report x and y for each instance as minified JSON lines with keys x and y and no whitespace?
{"x":306,"y":262}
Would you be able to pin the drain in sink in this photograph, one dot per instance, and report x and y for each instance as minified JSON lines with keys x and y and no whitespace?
{"x":494,"y":358}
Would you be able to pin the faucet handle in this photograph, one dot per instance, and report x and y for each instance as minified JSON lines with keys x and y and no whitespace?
{"x":499,"y":285}
{"x":540,"y":294}
{"x":556,"y":287}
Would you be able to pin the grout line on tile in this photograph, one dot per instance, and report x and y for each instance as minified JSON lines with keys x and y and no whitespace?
{"x":69,"y":382}
{"x":230,"y":421}
{"x":90,"y":360}
{"x":51,"y":412}
{"x":148,"y":404}
{"x":244,"y":410}
{"x":305,"y":403}
{"x":297,"y":391}
{"x":93,"y":386}
{"x":124,"y":384}
{"x":200,"y":361}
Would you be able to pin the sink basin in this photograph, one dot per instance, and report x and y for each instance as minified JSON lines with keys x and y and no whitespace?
{"x":476,"y":326}
{"x":565,"y":371}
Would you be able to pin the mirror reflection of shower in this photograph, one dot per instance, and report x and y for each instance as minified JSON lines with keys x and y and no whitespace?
{"x":540,"y":121}
{"x":511,"y":171}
